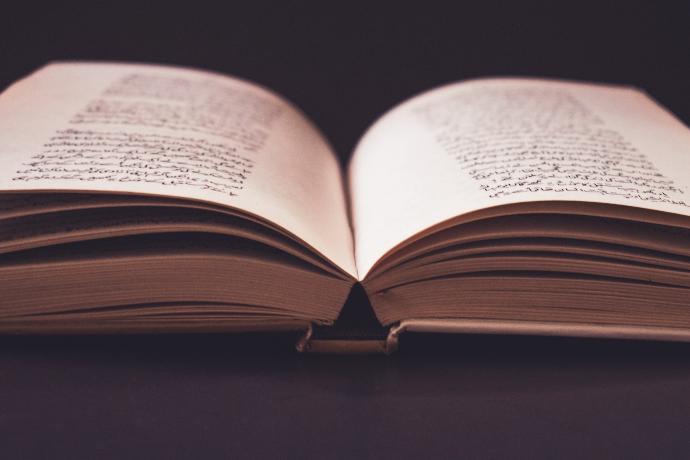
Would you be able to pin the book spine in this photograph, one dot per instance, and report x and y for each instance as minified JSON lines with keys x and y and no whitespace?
{"x":308,"y":344}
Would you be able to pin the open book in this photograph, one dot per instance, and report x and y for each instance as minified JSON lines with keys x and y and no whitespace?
{"x":141,"y":198}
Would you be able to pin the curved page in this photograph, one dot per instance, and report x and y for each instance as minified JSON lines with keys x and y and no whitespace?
{"x":175,"y":132}
{"x":483,"y":143}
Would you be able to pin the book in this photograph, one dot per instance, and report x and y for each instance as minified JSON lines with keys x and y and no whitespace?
{"x":146,"y":198}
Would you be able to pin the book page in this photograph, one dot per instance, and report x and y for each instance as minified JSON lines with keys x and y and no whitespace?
{"x":176,"y":132}
{"x":473,"y":145}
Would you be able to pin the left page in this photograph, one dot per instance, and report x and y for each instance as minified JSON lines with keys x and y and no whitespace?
{"x":176,"y":132}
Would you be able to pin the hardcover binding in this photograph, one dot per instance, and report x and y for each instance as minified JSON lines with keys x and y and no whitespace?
{"x":308,"y":343}
{"x":473,"y":326}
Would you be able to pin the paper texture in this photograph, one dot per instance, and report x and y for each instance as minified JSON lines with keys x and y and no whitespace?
{"x":478,"y":144}
{"x":176,"y":132}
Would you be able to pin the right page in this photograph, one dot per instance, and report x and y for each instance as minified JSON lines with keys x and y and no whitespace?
{"x":482,"y":143}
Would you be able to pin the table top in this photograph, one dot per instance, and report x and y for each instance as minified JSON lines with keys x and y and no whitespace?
{"x":252,"y":396}
{"x":440,"y":396}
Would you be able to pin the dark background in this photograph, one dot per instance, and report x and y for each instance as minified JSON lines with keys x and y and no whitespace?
{"x":345,"y":64}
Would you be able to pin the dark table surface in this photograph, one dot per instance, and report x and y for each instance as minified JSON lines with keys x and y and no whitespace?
{"x":440,"y":396}
{"x":473,"y":396}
